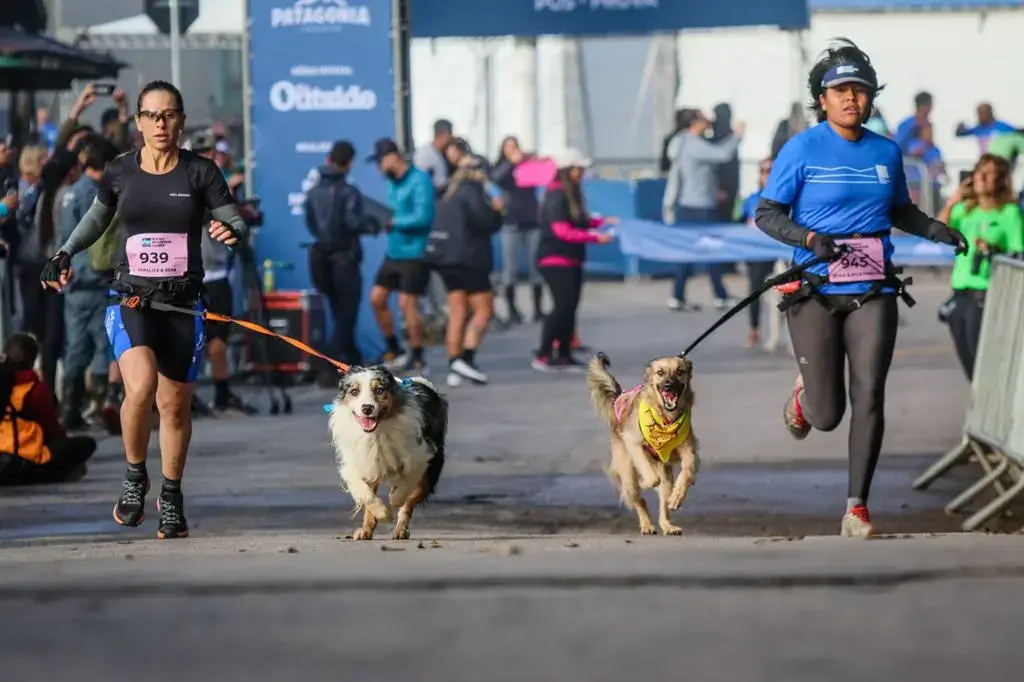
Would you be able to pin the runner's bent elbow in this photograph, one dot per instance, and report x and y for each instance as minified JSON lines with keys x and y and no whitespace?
{"x":229,"y":215}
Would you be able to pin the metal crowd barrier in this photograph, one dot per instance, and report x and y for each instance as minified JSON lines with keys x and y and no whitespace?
{"x":994,"y":427}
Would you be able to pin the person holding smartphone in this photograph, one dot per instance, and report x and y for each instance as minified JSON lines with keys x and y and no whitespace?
{"x":566,"y":227}
{"x":986,"y":212}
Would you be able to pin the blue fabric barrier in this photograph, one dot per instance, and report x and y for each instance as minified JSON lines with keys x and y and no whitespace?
{"x":729,"y":242}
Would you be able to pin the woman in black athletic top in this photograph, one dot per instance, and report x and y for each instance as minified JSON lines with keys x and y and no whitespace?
{"x":161,"y":194}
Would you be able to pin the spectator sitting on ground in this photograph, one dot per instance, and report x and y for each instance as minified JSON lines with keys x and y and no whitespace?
{"x":34,"y":447}
{"x":986,"y":127}
{"x":909,"y":129}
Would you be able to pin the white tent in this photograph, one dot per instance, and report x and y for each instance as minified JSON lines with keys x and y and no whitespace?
{"x":220,"y":25}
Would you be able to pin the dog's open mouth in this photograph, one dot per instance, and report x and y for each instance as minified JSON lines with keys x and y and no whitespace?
{"x":669,"y":399}
{"x":369,"y":424}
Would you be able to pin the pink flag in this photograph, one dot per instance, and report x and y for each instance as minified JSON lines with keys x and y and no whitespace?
{"x":535,"y":173}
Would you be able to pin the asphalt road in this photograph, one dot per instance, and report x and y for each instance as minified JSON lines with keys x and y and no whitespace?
{"x":526,"y":453}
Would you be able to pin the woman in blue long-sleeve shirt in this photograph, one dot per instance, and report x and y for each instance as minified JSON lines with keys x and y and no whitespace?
{"x":840,"y":185}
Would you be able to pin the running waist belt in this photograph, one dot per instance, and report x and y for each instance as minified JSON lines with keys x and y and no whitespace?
{"x":136,"y":302}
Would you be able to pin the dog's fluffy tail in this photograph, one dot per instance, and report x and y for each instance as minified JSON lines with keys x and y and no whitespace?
{"x":604,"y":389}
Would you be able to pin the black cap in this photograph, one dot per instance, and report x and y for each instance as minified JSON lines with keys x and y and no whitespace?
{"x":342,"y":153}
{"x":442,"y":126}
{"x":382,"y":148}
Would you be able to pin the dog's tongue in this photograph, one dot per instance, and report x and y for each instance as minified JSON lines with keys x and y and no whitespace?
{"x":669,"y":397}
{"x":368,"y":423}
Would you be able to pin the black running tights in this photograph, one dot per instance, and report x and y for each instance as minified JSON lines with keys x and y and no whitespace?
{"x":965,"y":326}
{"x":824,"y":342}
{"x":566,"y":287}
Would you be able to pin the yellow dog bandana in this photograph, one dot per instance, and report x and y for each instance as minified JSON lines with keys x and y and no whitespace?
{"x":662,"y":438}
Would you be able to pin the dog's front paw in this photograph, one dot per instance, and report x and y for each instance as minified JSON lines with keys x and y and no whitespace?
{"x":400,"y":533}
{"x":675,"y":501}
{"x":363,"y":534}
{"x":647,"y":529}
{"x":669,"y":529}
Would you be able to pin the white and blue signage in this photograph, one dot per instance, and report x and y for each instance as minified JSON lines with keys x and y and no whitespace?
{"x":464,"y":18}
{"x":321,"y":72}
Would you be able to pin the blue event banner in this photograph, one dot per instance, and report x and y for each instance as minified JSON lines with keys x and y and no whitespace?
{"x":729,"y":242}
{"x":464,"y":18}
{"x":321,"y":72}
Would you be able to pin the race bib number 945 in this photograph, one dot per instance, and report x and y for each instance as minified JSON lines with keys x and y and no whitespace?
{"x":864,"y":262}
{"x":157,"y":255}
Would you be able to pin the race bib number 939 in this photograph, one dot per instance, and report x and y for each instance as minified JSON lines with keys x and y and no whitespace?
{"x":157,"y":255}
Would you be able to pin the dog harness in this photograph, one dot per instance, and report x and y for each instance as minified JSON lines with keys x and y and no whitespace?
{"x":660,"y":438}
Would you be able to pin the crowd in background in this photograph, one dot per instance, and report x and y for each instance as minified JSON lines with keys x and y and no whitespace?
{"x":48,"y":183}
{"x":443,"y":208}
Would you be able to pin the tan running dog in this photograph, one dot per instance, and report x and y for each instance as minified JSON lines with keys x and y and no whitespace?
{"x":651,"y":433}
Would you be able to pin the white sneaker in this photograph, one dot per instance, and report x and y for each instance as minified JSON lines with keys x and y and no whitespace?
{"x":857,"y":524}
{"x":398,"y":362}
{"x":463,"y":368}
{"x":674,"y":304}
{"x":453,"y":380}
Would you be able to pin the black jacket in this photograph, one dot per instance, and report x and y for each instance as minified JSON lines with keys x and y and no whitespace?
{"x":334,"y":215}
{"x":522,"y":201}
{"x":554,"y":208}
{"x":464,"y":223}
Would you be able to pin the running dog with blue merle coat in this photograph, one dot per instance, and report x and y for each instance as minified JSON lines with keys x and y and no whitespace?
{"x":390,"y":432}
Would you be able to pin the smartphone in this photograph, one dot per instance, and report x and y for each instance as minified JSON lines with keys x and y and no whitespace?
{"x":965,"y":175}
{"x":104,"y":89}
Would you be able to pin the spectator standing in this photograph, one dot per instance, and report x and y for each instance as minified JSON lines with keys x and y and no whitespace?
{"x":220,"y":297}
{"x":411,"y":197}
{"x":757,"y":271}
{"x":459,"y":248}
{"x":728,"y":172}
{"x":566,"y":228}
{"x":519,"y":234}
{"x":85,"y":298}
{"x":431,"y":158}
{"x":668,"y":146}
{"x":334,"y":216}
{"x":986,"y":212}
{"x":795,"y":123}
{"x":691,"y":197}
{"x":909,"y":129}
{"x":986,"y":127}
{"x":46,"y":128}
